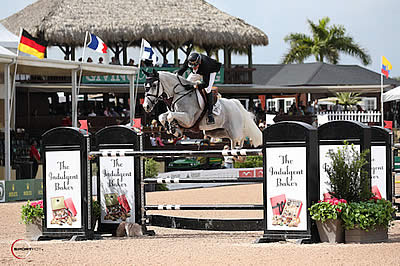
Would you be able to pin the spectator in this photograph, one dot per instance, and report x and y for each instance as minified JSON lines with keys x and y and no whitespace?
{"x":131,"y":62}
{"x":66,"y":121}
{"x":359,"y":108}
{"x":35,"y":158}
{"x":114,"y":113}
{"x":337,"y":106}
{"x":159,"y":141}
{"x":100,"y":60}
{"x":90,"y":60}
{"x":92,"y":113}
{"x":228,"y":160}
{"x":153,"y":140}
{"x":310,"y":108}
{"x":107,"y":112}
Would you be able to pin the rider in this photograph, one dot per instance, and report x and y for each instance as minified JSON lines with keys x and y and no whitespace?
{"x":206,"y":67}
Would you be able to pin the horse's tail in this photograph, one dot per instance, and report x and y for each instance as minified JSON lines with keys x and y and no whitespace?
{"x":250,"y":128}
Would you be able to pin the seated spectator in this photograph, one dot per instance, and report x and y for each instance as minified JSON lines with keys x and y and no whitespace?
{"x":90,"y":60}
{"x":114,"y":113}
{"x":107,"y":112}
{"x":66,"y":121}
{"x":153,"y":140}
{"x":92,"y":113}
{"x":100,"y":60}
{"x":159,"y":141}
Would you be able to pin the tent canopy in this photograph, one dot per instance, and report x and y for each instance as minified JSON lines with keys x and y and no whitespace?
{"x":7,"y":39}
{"x":392,"y":95}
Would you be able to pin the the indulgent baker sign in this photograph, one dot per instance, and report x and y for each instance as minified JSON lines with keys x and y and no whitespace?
{"x":117,"y":189}
{"x":378,"y":171}
{"x":63,"y":189}
{"x":286,"y":188}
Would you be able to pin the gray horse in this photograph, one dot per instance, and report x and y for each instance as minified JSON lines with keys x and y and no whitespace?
{"x":185,"y":110}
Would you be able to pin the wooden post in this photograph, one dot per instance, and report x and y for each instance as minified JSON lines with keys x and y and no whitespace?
{"x":176,"y":59}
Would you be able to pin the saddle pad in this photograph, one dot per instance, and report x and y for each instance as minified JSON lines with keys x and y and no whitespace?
{"x":217,"y":106}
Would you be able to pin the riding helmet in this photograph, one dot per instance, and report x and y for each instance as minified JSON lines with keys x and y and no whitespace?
{"x":194,"y":59}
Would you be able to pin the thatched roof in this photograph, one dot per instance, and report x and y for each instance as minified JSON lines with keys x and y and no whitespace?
{"x":66,"y":21}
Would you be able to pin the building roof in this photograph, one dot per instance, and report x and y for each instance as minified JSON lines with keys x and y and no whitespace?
{"x":316,"y":74}
{"x":174,"y":21}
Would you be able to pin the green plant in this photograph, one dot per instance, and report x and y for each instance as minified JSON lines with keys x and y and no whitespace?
{"x":328,"y":209}
{"x":250,"y":162}
{"x":348,"y":178}
{"x":96,"y":209}
{"x":32,"y":211}
{"x":368,"y":214}
{"x":151,"y":170}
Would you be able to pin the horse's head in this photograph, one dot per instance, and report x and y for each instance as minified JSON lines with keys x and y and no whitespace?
{"x":152,"y":90}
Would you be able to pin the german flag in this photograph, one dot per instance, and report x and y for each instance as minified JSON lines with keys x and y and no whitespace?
{"x":31,"y":45}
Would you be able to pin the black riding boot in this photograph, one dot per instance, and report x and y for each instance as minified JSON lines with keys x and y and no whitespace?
{"x":210,"y":105}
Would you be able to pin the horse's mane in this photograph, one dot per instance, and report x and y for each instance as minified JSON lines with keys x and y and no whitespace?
{"x":173,"y":76}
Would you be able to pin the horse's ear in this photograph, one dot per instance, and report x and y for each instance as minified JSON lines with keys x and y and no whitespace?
{"x":155,"y":73}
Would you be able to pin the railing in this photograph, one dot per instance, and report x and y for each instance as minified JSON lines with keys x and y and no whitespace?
{"x":238,"y":75}
{"x":364,"y":117}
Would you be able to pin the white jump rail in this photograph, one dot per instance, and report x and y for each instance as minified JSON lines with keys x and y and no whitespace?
{"x":184,"y":153}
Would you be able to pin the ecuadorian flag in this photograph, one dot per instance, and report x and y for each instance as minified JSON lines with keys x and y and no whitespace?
{"x":386,"y":67}
{"x":31,"y":45}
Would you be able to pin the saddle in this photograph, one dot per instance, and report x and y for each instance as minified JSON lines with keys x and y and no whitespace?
{"x":202,"y":93}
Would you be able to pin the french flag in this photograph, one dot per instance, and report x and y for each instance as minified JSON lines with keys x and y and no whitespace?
{"x":97,"y":44}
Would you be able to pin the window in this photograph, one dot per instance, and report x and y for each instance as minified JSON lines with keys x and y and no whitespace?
{"x":369,"y":103}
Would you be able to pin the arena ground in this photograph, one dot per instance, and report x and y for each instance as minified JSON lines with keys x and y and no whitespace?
{"x":190,"y":247}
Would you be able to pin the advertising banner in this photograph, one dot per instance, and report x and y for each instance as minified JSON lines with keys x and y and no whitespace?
{"x":117,"y":189}
{"x":378,"y":171}
{"x":2,"y":191}
{"x":286,"y":177}
{"x":63,"y":189}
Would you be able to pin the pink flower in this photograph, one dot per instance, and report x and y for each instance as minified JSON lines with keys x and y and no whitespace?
{"x":335,"y":202}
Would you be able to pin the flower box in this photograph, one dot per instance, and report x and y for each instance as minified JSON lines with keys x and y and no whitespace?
{"x":331,"y":231}
{"x":359,"y":236}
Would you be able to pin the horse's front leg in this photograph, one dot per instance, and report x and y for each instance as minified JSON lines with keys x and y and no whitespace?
{"x":164,"y":121}
{"x":183,"y":119}
{"x":178,"y":120}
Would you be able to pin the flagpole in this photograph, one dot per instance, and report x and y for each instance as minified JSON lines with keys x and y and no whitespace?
{"x":14,"y":78}
{"x":133,"y":105}
{"x":83,"y":58}
{"x":382,"y":123}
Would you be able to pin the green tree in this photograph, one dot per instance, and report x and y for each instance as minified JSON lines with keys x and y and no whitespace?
{"x":326,"y":43}
{"x":348,"y":98}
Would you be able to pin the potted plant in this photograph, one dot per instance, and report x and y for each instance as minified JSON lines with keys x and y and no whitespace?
{"x":32,"y":215}
{"x":367,"y":221}
{"x":327,"y":215}
{"x":348,"y":179}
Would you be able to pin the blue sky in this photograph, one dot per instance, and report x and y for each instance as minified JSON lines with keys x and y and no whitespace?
{"x":371,"y":23}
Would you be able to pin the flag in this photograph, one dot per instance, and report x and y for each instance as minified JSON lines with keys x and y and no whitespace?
{"x":31,"y":45}
{"x":148,"y":52}
{"x":386,"y":67}
{"x":97,"y":44}
{"x":388,"y":124}
{"x":84,"y":125}
{"x":137,"y":122}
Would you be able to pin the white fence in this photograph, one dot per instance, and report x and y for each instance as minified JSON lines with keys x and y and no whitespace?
{"x":364,"y":117}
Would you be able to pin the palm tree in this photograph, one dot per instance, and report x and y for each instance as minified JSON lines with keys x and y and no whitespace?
{"x":325,"y":44}
{"x":348,"y":98}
